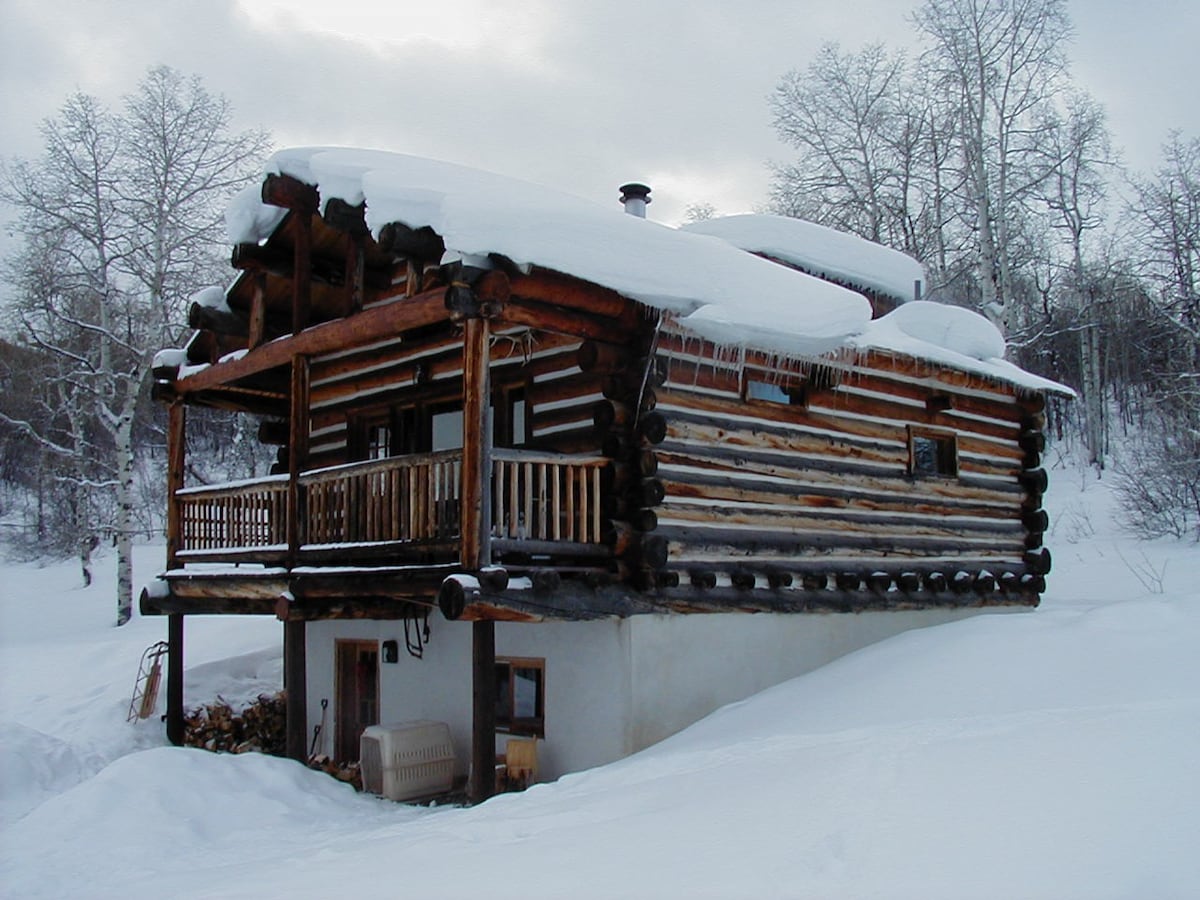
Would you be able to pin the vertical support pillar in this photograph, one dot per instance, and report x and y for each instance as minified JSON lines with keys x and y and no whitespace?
{"x":301,"y":269}
{"x":483,"y":718}
{"x":355,"y":272}
{"x":476,"y":550}
{"x":297,"y":456}
{"x":295,"y":682}
{"x":258,"y":312}
{"x":476,"y":491}
{"x":176,"y":462}
{"x":175,"y":679}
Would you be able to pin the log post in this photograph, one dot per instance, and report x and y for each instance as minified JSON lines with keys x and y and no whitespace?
{"x":175,"y":679}
{"x":297,"y":455}
{"x":302,"y":271}
{"x":176,"y":461}
{"x":258,"y":313}
{"x":295,"y":683}
{"x":483,"y":719}
{"x":475,"y":549}
{"x":355,"y":269}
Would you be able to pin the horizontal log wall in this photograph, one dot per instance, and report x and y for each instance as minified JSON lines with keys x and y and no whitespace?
{"x":428,"y":369}
{"x":817,"y":493}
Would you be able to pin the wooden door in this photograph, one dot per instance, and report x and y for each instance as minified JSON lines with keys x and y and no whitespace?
{"x":357,"y":694}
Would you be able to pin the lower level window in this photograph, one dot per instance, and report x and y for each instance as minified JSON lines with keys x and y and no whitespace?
{"x":521,"y":696}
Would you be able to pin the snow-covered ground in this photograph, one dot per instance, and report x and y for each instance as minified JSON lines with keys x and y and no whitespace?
{"x":1050,"y":754}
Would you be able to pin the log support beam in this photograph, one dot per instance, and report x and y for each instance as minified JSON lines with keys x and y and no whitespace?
{"x":483,"y":720}
{"x":175,"y":679}
{"x":295,"y":677}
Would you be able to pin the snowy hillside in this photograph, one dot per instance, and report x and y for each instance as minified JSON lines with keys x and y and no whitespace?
{"x":1039,"y":754}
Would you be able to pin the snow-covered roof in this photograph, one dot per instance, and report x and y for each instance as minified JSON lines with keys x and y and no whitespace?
{"x":950,"y":336}
{"x":479,"y":214}
{"x":822,"y":251}
{"x":715,"y":288}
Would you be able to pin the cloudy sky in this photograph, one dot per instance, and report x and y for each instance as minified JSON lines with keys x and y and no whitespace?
{"x":578,"y":94}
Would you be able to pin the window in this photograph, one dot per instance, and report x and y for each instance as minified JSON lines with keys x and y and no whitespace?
{"x":371,"y":435}
{"x":932,"y":453}
{"x":508,"y":417}
{"x":761,"y":391}
{"x":378,"y":441}
{"x":521,"y":696}
{"x":446,"y":429}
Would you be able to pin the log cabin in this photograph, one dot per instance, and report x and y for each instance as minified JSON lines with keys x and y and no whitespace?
{"x":553,"y":471}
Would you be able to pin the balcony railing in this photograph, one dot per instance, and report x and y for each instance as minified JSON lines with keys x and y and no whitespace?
{"x":540,"y":502}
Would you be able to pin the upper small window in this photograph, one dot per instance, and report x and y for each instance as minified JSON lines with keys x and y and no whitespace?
{"x":932,"y":453}
{"x":773,"y":392}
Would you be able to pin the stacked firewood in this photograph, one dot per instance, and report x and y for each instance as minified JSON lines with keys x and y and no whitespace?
{"x":257,"y":728}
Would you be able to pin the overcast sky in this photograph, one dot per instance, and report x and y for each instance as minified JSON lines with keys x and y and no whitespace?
{"x":578,"y":94}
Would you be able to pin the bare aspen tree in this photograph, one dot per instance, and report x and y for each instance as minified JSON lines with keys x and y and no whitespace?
{"x":1080,"y":159}
{"x":1000,"y":62}
{"x":842,"y":115}
{"x":124,"y":210}
{"x":68,"y":294}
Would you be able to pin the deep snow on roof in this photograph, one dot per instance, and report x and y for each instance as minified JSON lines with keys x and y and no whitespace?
{"x":479,"y":214}
{"x":717,"y":290}
{"x":820,"y":250}
{"x":949,"y":336}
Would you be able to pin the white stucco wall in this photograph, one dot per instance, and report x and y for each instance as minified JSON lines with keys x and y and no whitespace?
{"x":612,"y":687}
{"x":684,"y":667}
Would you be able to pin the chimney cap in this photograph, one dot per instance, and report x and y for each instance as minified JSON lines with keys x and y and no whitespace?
{"x":635,"y":190}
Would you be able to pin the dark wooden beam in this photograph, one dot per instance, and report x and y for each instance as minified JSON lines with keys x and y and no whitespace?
{"x":356,"y":264}
{"x":562,"y":290}
{"x":256,"y":326}
{"x":175,"y":679}
{"x":341,"y":216}
{"x":548,"y":317}
{"x":290,"y":193}
{"x":295,"y":683}
{"x":222,"y":320}
{"x":412,"y":243}
{"x":483,"y":717}
{"x":301,"y":272}
{"x":278,"y":262}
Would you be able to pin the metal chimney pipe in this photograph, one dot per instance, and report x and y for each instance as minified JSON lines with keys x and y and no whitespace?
{"x":636,"y":198}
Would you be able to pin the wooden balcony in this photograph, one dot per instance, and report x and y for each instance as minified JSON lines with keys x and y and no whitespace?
{"x":402,"y":510}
